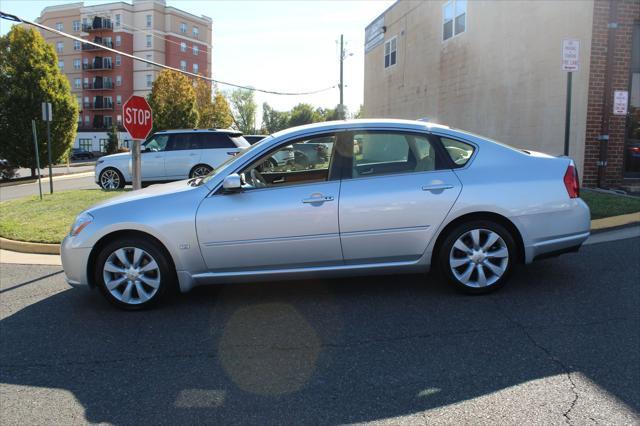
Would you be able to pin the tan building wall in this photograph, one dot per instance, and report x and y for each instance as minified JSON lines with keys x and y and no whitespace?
{"x":500,"y":78}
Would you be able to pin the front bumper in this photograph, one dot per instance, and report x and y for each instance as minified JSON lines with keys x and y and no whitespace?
{"x":74,"y":262}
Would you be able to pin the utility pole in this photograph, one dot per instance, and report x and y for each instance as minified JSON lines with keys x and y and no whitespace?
{"x":341,"y":106}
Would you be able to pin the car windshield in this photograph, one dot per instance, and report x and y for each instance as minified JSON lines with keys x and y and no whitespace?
{"x":229,"y":160}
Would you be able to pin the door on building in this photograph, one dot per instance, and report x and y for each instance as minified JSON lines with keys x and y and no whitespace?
{"x":632,"y":134}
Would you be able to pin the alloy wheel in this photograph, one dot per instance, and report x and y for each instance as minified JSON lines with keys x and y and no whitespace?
{"x":200,"y":171}
{"x":131,"y":275}
{"x":110,"y":179}
{"x":479,"y":258}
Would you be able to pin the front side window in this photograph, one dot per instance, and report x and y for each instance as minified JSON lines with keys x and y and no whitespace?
{"x":460,"y":152}
{"x":382,"y":153}
{"x":390,"y":52}
{"x":302,"y":161}
{"x":156,"y":143}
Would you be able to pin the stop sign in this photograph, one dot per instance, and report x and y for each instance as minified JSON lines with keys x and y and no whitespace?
{"x":137,"y":117}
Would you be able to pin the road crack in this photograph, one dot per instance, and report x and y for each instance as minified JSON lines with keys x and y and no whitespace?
{"x":557,"y":361}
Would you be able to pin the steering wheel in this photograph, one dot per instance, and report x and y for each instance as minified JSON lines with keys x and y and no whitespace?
{"x":257,"y":179}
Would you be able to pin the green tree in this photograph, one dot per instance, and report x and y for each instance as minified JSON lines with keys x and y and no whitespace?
{"x":272,"y":120}
{"x":359,"y":113}
{"x":214,"y":112}
{"x":173,"y":101}
{"x":244,"y":108}
{"x":222,"y":117}
{"x":303,"y":114}
{"x":113,"y":142}
{"x":328,"y":114}
{"x":29,"y":75}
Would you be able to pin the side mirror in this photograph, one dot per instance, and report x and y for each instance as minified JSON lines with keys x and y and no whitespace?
{"x":232,"y":183}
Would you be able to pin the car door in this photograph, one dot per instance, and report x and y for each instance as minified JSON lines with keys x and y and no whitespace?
{"x":290,"y":220}
{"x":152,"y":157}
{"x":217,"y":148}
{"x":399,"y":192}
{"x":182,"y":154}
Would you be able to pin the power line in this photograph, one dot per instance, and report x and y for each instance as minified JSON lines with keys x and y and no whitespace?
{"x":15,"y":18}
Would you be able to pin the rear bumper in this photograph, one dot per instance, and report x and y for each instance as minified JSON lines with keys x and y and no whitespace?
{"x":558,"y":246}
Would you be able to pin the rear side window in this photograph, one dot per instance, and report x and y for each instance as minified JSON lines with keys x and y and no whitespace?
{"x":213,"y":141}
{"x":180,"y":141}
{"x":459,"y":152}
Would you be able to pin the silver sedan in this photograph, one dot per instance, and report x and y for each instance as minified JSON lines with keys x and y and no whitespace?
{"x":391,"y":197}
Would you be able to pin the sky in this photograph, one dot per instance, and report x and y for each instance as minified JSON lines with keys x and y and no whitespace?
{"x":288,"y":46}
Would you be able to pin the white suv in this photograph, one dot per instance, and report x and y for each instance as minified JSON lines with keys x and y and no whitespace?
{"x":172,"y":155}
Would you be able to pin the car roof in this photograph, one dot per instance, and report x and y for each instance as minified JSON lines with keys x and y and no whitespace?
{"x":225,"y":131}
{"x":368,"y":123}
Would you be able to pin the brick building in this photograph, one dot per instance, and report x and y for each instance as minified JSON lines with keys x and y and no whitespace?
{"x":102,"y":81}
{"x":494,"y":68}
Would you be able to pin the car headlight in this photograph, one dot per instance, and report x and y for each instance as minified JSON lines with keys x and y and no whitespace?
{"x":99,"y":161}
{"x":81,"y":222}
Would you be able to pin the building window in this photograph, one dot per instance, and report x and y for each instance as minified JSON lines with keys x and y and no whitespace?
{"x":183,"y":46}
{"x":87,"y":120}
{"x":118,"y":80}
{"x":183,"y":65}
{"x":149,"y":80}
{"x":85,"y":144}
{"x":196,"y":68}
{"x":76,"y":26}
{"x":86,"y":98}
{"x":118,"y":40}
{"x":390,"y":52}
{"x":149,"y":58}
{"x":196,"y":49}
{"x":78,"y":85}
{"x":454,"y":18}
{"x":149,"y":40}
{"x":125,"y":143}
{"x":76,"y":45}
{"x":119,"y":99}
{"x":76,"y":64}
{"x":118,"y":20}
{"x":104,"y":142}
{"x":118,"y":60}
{"x":59,"y":26}
{"x":196,"y":32}
{"x":183,"y":27}
{"x":61,"y":65}
{"x":60,"y":47}
{"x":119,"y":120}
{"x":149,"y":21}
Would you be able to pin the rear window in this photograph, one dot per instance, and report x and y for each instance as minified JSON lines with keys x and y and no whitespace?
{"x":460,"y":152}
{"x":214,"y":141}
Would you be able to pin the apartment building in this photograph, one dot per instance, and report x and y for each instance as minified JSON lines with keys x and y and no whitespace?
{"x":494,"y":68}
{"x":102,"y":81}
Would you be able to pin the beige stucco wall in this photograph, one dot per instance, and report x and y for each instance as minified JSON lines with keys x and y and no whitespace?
{"x":501,"y":78}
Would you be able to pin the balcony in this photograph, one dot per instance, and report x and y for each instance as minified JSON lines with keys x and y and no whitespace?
{"x":106,"y":85}
{"x":99,"y":106}
{"x":89,"y":47}
{"x":97,"y":66}
{"x":98,"y":24}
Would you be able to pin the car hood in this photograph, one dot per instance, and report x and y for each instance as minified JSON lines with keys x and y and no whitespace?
{"x":157,"y":190}
{"x":118,"y":156}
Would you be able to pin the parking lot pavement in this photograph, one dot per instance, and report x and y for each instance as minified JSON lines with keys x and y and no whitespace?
{"x":560,"y":344}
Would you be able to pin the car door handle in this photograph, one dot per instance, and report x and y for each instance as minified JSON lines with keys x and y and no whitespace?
{"x":232,"y":153}
{"x":366,"y":171}
{"x":437,"y":187}
{"x":158,"y":156}
{"x":280,"y":180}
{"x":314,"y":200}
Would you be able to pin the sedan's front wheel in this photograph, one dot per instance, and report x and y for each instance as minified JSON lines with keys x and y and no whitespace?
{"x":478,"y":256}
{"x":133,"y":273}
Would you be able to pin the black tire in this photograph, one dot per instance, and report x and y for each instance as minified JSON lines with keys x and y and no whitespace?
{"x":166,"y":275}
{"x":198,"y":168}
{"x":104,"y":185}
{"x":477,"y":259}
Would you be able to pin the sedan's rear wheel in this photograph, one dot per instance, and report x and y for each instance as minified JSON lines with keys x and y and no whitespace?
{"x":200,"y":170}
{"x":111,"y":179}
{"x":133,"y":273}
{"x":477,"y":257}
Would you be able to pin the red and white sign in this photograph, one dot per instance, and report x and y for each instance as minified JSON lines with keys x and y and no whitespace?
{"x":570,"y":55}
{"x":138,"y":119}
{"x":620,"y":102}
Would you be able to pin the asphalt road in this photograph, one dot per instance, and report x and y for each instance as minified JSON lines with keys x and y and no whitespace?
{"x":61,"y":183}
{"x":560,"y":344}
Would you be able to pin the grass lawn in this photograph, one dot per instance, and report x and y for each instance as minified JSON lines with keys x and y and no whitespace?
{"x":49,"y":220}
{"x":605,"y":205}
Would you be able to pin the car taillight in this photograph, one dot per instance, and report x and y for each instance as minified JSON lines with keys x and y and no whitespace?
{"x":571,"y":181}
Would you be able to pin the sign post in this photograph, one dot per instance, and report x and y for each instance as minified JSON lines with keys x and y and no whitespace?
{"x":35,"y":143}
{"x":47,"y":116}
{"x":138,"y":120}
{"x":570,"y":63}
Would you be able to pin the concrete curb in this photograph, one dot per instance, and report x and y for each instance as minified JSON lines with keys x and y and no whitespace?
{"x":26,"y":247}
{"x":41,"y":248}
